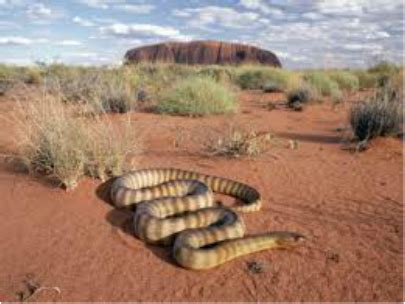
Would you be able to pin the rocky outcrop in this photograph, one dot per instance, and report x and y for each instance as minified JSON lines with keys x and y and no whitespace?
{"x":202,"y":52}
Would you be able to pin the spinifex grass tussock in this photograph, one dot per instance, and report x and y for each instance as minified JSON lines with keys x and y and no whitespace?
{"x":197,"y":96}
{"x":380,"y":115}
{"x":55,"y":141}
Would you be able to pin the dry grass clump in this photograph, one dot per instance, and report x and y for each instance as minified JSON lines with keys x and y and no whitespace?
{"x":197,"y":96}
{"x":381,"y":115}
{"x":238,"y":143}
{"x":57,"y":142}
{"x":271,"y":79}
{"x":323,"y":84}
{"x":106,"y":90}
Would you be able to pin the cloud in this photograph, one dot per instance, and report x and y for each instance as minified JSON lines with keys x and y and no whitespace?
{"x":17,"y":40}
{"x":143,"y":30}
{"x":135,"y":8}
{"x":38,"y":11}
{"x":82,"y":22}
{"x":69,"y":43}
{"x":101,"y":4}
{"x":215,"y":15}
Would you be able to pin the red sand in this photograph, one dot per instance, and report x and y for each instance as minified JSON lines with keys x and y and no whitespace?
{"x":349,"y":205}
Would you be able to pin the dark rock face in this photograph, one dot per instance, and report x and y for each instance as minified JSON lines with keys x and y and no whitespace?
{"x":202,"y":52}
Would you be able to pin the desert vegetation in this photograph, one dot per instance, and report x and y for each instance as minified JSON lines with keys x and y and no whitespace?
{"x":66,"y":132}
{"x":56,"y":140}
{"x":381,"y":114}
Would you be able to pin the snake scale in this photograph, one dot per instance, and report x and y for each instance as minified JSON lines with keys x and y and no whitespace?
{"x":177,"y":207}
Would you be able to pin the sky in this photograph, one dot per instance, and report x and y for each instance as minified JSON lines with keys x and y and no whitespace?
{"x":302,"y":33}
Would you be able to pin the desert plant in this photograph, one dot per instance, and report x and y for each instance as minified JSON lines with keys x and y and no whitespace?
{"x":258,"y":77}
{"x":197,"y":95}
{"x":55,"y":141}
{"x":236,"y":143}
{"x":322,"y":83}
{"x":345,"y":79}
{"x":381,"y":115}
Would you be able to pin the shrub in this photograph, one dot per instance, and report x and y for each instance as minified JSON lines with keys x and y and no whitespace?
{"x":384,"y":68}
{"x":322,"y":83}
{"x":32,"y":76}
{"x":237,"y":143}
{"x":57,"y":142}
{"x":259,"y":77}
{"x":366,"y":80}
{"x":197,"y":95}
{"x":345,"y":79}
{"x":104,"y":90}
{"x":381,"y":115}
{"x":303,"y":94}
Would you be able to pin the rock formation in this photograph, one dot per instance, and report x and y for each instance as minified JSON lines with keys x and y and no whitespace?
{"x":202,"y":52}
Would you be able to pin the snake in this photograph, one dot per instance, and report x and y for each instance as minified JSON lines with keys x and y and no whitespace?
{"x":177,"y":207}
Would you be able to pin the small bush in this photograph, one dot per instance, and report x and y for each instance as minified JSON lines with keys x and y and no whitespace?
{"x":237,"y":143}
{"x":366,"y":80}
{"x":303,"y":94}
{"x":345,"y":79}
{"x":258,"y":77}
{"x":56,"y":142}
{"x":384,"y":68}
{"x":104,"y":90}
{"x":197,"y":96}
{"x":323,"y":84}
{"x":33,"y":76}
{"x":381,"y":115}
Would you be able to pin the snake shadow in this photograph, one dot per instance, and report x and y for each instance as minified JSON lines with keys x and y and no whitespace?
{"x":121,"y":219}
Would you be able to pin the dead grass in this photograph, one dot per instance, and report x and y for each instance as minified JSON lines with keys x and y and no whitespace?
{"x":55,"y":141}
{"x":235,"y":142}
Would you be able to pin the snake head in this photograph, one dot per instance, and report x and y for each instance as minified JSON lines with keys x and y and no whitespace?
{"x":287,"y":239}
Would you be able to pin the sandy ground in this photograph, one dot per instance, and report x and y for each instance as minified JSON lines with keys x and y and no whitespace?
{"x":349,"y":205}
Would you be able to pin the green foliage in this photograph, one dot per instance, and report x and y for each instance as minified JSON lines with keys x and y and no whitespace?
{"x":345,"y":79}
{"x":197,"y":95}
{"x":323,"y":84}
{"x":254,"y":77}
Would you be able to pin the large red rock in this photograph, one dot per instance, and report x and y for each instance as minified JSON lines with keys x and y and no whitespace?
{"x":202,"y":52}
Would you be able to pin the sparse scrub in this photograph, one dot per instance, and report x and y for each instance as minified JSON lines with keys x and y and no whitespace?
{"x":381,"y":115}
{"x":299,"y":96}
{"x":345,"y":79}
{"x":104,"y":90}
{"x":366,"y":80}
{"x":196,"y":96}
{"x":237,"y":143}
{"x":323,"y":84}
{"x":259,"y":77}
{"x":58,"y":143}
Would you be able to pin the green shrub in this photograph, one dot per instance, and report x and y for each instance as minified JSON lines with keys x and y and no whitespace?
{"x":323,"y":84}
{"x":197,"y":95}
{"x":259,"y":77}
{"x":384,"y":68}
{"x":366,"y":80}
{"x":345,"y":79}
{"x":381,"y":115}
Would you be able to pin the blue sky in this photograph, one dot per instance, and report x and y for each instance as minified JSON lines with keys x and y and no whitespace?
{"x":302,"y":33}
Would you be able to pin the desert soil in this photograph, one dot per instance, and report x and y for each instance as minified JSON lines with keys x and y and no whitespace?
{"x":349,"y":205}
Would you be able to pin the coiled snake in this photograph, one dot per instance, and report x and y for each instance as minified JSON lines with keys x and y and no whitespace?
{"x":177,"y":206}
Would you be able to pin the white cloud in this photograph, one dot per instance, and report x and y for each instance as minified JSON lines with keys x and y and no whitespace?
{"x":264,"y":7}
{"x":143,"y":30}
{"x":69,"y":43}
{"x":82,"y":22}
{"x":38,"y":11}
{"x":17,"y":40}
{"x":135,"y":8}
{"x":101,"y":4}
{"x":215,"y":15}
